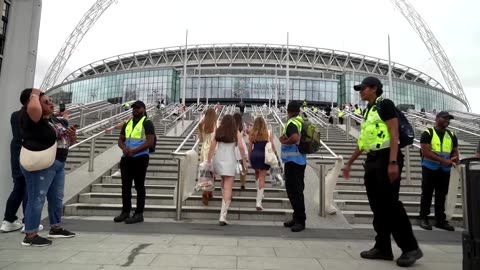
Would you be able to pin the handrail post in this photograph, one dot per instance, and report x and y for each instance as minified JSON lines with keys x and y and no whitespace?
{"x":92,"y":155}
{"x":178,"y":204}
{"x":347,"y":128}
{"x":328,"y":131}
{"x":407,"y":165}
{"x":463,"y":182}
{"x":82,"y":117}
{"x":321,"y":192}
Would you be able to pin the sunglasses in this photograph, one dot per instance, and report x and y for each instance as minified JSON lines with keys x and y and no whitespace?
{"x":47,"y":101}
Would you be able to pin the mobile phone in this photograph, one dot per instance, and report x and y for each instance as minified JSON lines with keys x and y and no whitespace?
{"x":62,"y":107}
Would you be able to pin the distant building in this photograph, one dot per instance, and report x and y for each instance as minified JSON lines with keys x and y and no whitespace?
{"x":248,"y":72}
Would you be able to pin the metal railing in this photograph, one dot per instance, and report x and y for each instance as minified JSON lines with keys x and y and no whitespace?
{"x":92,"y":139}
{"x":422,"y":119}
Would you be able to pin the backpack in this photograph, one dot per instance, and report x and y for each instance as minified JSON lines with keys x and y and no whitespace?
{"x":406,"y":133}
{"x":309,"y":138}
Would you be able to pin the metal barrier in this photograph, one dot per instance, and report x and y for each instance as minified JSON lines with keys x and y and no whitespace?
{"x":92,"y":140}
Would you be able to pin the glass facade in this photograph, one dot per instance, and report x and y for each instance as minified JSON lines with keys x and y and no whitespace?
{"x":4,"y":9}
{"x":253,"y":84}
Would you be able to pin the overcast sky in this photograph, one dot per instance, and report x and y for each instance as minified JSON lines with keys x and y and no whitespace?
{"x":359,"y":26}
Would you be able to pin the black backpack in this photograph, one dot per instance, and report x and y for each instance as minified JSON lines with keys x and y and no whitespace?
{"x":406,"y":133}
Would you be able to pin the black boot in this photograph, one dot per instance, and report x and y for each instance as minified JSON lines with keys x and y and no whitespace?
{"x":409,"y":258}
{"x":376,"y":254}
{"x":136,"y":218}
{"x":425,"y":224}
{"x":122,"y":217}
{"x":444,"y":226}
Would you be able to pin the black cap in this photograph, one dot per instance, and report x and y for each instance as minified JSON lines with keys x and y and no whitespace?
{"x":370,"y":81}
{"x":444,"y":114}
{"x":293,"y":107}
{"x":138,"y":104}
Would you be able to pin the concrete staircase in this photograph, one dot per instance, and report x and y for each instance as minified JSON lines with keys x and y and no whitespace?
{"x":104,"y":197}
{"x":350,"y":195}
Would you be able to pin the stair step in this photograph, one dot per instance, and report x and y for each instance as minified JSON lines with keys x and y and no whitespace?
{"x":188,"y":212}
{"x":366,"y":217}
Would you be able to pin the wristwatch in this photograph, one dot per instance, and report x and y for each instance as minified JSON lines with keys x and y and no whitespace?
{"x":393,"y":162}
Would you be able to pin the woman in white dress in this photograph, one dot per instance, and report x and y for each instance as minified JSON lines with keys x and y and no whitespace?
{"x":222,"y":150}
{"x":206,"y":132}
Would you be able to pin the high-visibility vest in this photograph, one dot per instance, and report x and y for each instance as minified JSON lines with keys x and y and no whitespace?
{"x":135,"y":136}
{"x":290,"y":153}
{"x":442,"y":148}
{"x":358,"y":111}
{"x":374,"y":135}
{"x":340,"y":114}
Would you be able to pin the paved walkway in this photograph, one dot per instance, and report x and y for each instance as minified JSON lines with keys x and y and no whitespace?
{"x":114,"y":251}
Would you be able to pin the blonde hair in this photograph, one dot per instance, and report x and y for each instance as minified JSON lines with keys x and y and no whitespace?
{"x":209,"y":122}
{"x":259,"y":131}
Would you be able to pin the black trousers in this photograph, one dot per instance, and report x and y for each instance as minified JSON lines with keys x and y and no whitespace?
{"x":340,"y":120}
{"x":389,"y":215}
{"x":437,"y":180}
{"x":295,"y":184}
{"x":133,"y":169}
{"x":17,"y":196}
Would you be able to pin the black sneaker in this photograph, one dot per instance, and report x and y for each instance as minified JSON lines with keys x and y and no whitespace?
{"x":445,"y":226}
{"x":425,"y":224}
{"x":409,"y":258}
{"x":297,"y":227}
{"x":60,"y":233}
{"x":136,"y":218}
{"x":376,"y":254}
{"x":36,"y":241}
{"x":122,"y":217}
{"x":289,"y":223}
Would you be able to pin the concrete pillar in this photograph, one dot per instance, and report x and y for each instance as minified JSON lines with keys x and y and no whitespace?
{"x":18,"y":71}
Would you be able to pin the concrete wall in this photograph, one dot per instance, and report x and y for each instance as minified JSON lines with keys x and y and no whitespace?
{"x":18,"y":72}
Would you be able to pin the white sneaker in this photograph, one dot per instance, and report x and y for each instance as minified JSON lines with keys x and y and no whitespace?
{"x":117,"y":173}
{"x":40,"y":228}
{"x":10,"y":226}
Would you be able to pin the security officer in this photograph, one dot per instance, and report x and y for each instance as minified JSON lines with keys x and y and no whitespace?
{"x":340,"y":116}
{"x":136,"y":137}
{"x":379,"y":138}
{"x":439,"y":154}
{"x":126,"y":106}
{"x":295,"y":164}
{"x":357,"y":111}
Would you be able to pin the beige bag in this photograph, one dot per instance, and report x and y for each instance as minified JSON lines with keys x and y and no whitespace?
{"x":38,"y":160}
{"x":270,"y":157}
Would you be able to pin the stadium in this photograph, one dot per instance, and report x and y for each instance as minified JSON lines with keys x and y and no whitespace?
{"x":252,"y":73}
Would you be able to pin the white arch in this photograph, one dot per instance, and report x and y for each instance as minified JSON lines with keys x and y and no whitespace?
{"x":418,"y":24}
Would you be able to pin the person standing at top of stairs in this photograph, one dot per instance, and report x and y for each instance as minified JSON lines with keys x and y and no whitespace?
{"x":136,"y":137}
{"x":379,"y":137}
{"x":439,"y":155}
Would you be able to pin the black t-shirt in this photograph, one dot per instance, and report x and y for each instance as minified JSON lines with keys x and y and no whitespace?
{"x":427,"y":138}
{"x":43,"y":134}
{"x":147,"y":125}
{"x":292,"y":129}
{"x":387,"y":112}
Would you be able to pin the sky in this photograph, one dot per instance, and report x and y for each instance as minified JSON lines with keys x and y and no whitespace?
{"x":359,"y":26}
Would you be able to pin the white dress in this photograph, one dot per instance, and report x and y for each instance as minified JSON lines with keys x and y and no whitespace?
{"x":224,"y":160}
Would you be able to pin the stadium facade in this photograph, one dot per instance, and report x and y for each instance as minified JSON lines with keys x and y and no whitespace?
{"x":253,"y":73}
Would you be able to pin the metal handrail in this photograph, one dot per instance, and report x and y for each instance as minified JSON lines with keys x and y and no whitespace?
{"x":97,"y":110}
{"x":451,"y":127}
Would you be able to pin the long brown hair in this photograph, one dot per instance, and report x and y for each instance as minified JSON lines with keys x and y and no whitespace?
{"x":259,"y":131}
{"x":209,"y":122}
{"x":238,"y":121}
{"x":227,"y":131}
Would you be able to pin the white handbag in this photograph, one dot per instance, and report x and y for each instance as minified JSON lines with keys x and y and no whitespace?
{"x":270,"y":157}
{"x":38,"y":160}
